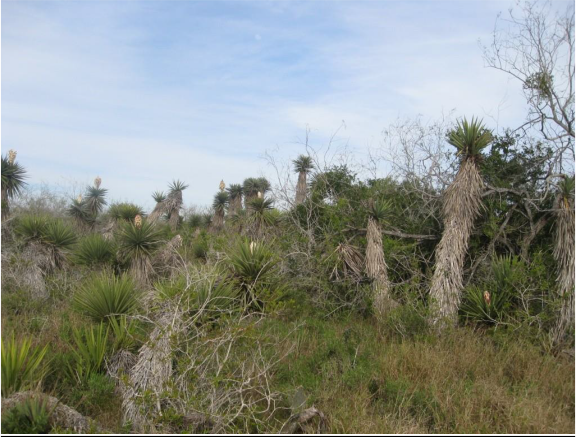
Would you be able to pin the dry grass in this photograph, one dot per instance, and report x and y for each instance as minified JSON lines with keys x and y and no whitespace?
{"x":462,"y":383}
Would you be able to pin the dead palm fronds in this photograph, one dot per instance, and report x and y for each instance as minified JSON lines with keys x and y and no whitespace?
{"x":376,"y":267}
{"x":302,"y":165}
{"x":235,"y":192}
{"x":350,"y":262}
{"x":564,"y":256}
{"x":149,"y":377}
{"x":461,"y":206}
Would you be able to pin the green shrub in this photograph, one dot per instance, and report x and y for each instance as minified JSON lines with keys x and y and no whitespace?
{"x":46,"y":230}
{"x":31,"y":416}
{"x":106,"y":295}
{"x":125,"y":332}
{"x":125,"y":211}
{"x":31,"y":227}
{"x":94,"y":396}
{"x":89,"y":349}
{"x":200,"y":247}
{"x":491,"y":301}
{"x":22,"y":365}
{"x":94,"y":250}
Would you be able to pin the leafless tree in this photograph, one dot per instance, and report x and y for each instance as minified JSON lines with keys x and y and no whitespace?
{"x":535,"y":45}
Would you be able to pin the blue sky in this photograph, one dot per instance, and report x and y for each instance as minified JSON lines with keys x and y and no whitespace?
{"x":141,"y":93}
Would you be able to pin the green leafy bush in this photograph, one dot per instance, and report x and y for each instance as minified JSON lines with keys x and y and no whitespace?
{"x":22,"y":365}
{"x":125,"y":211}
{"x":94,"y":250}
{"x":105,"y":295}
{"x":31,"y":416}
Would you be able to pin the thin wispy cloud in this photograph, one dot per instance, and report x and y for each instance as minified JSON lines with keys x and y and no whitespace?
{"x":141,"y":93}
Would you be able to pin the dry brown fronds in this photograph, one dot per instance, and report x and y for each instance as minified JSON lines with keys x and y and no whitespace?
{"x":377,"y":270}
{"x":462,"y":202}
{"x":564,"y":255}
{"x":301,"y":188}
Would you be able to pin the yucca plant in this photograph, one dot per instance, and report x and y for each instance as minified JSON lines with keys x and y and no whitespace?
{"x":235,"y":192}
{"x":220,"y":204}
{"x":125,"y":333}
{"x":214,"y":294}
{"x":250,"y":188}
{"x":376,"y":267}
{"x":195,"y":221}
{"x":260,"y":213}
{"x":302,"y":165}
{"x":461,"y":205}
{"x":125,"y":211}
{"x":55,"y":236}
{"x":79,"y":211}
{"x":252,"y":264}
{"x":31,"y":227}
{"x":94,"y":250}
{"x":23,"y":366}
{"x":95,"y":200}
{"x":174,"y":202}
{"x":30,"y":416}
{"x":262,"y":185}
{"x":564,"y":255}
{"x":136,"y":245}
{"x":13,"y":180}
{"x":89,"y":349}
{"x":159,"y":196}
{"x":105,"y":296}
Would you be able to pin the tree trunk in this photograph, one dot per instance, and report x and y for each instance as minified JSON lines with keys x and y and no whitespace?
{"x":218,"y":220}
{"x":5,"y":205}
{"x":564,"y":256}
{"x":301,"y":188}
{"x":462,"y":203}
{"x":377,"y":270}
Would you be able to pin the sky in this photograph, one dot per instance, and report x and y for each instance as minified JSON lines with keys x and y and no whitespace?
{"x":144,"y":92}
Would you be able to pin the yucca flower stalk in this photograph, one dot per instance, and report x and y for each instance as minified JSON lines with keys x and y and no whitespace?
{"x":13,"y":181}
{"x":564,"y":256}
{"x":235,"y":192}
{"x":302,"y":165}
{"x":97,"y":182}
{"x":222,"y":185}
{"x":461,"y":206}
{"x":376,"y":267}
{"x":138,"y":221}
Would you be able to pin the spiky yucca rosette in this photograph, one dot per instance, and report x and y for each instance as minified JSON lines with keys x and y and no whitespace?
{"x":461,"y":206}
{"x":302,"y":165}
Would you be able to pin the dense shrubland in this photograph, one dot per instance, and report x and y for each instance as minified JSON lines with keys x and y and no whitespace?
{"x":439,"y":298}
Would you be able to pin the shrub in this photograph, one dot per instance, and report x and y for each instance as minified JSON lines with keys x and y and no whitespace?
{"x":31,"y":227}
{"x":125,"y":211}
{"x":31,"y":416}
{"x":105,"y":296}
{"x":94,"y":250}
{"x":22,"y":365}
{"x":491,"y":301}
{"x":89,"y":350}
